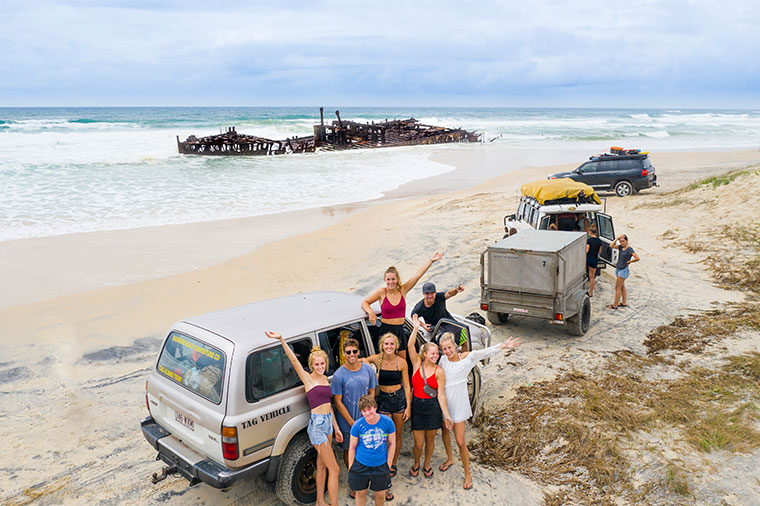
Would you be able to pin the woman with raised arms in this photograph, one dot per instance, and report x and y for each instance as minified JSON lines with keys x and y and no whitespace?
{"x":429,"y":409}
{"x":392,"y":299}
{"x":322,"y":423}
{"x":457,"y":367}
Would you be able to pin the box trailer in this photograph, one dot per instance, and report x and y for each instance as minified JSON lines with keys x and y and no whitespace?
{"x":537,"y":273}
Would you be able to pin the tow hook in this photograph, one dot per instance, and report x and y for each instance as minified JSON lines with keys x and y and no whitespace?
{"x":165,"y":472}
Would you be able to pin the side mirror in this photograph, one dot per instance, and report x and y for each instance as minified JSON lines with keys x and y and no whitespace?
{"x":578,"y":171}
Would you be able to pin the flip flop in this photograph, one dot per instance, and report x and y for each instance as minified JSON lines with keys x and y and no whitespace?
{"x":394,"y":470}
{"x":428,"y":472}
{"x":610,"y":306}
{"x":467,"y":485}
{"x":622,"y":305}
{"x":352,"y":494}
{"x":388,"y":495}
{"x":415,"y":471}
{"x":443,"y":467}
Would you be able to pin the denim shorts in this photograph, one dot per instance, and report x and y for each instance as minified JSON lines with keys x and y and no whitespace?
{"x":320,"y":426}
{"x":622,"y":273}
{"x":391,"y":402}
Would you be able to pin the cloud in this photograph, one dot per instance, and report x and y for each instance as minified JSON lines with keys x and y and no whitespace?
{"x":220,"y":53}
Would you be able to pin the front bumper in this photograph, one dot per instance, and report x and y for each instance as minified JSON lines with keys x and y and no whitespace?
{"x":190,"y":464}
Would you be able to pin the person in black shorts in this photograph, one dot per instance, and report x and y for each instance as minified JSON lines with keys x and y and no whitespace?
{"x":373,"y":441}
{"x":593,"y":246}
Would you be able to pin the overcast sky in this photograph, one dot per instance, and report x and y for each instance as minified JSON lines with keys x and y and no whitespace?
{"x":567,"y":53}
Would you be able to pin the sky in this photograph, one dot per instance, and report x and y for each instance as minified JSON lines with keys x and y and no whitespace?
{"x":541,"y":53}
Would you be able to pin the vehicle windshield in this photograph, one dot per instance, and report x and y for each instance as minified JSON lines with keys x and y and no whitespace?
{"x":194,"y":365}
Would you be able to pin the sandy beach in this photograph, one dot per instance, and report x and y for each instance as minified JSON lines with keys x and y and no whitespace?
{"x":82,"y":317}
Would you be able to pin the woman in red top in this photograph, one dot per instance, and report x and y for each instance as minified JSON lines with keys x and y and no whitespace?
{"x":393,"y":302}
{"x":429,"y":409}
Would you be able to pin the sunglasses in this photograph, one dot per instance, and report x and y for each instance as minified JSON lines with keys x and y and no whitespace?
{"x":351,"y":352}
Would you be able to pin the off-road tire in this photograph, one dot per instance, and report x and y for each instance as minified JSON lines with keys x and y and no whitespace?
{"x":497,"y":318}
{"x":579,"y":324}
{"x":623,"y":188}
{"x":296,"y":479}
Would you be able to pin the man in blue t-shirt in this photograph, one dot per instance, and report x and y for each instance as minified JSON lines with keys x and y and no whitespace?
{"x":350,"y":382}
{"x":371,"y":450}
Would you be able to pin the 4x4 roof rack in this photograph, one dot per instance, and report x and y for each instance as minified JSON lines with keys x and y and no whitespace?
{"x":618,"y":152}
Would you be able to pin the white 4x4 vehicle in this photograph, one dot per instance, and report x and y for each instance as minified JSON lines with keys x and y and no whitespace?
{"x":566,"y":204}
{"x":225,"y":403}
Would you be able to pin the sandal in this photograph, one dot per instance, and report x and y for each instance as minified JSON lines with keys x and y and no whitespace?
{"x":610,"y":306}
{"x":445,"y":467}
{"x":622,"y":305}
{"x":388,"y":495}
{"x":394,"y":470}
{"x":415,"y":471}
{"x":428,"y":472}
{"x":467,"y":485}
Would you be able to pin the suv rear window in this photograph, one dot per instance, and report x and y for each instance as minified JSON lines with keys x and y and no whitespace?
{"x":269,"y":371}
{"x":194,"y":365}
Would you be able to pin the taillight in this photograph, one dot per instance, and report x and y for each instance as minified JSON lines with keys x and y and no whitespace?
{"x":229,"y":443}
{"x":558,"y":317}
{"x":644,"y":172}
{"x":484,"y":307}
{"x":147,"y":404}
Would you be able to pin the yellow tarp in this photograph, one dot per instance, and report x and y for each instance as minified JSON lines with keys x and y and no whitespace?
{"x":553,"y":189}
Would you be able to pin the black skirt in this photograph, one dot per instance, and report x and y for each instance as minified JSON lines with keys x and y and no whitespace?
{"x":426,"y":414}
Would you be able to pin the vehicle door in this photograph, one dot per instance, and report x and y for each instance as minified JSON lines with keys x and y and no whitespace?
{"x":607,"y":174}
{"x":606,"y":231}
{"x":587,"y":173}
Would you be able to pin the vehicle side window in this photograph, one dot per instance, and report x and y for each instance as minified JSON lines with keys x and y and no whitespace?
{"x":629,"y":164}
{"x":520,"y":210}
{"x":608,"y":165}
{"x":332,"y":342}
{"x":193,"y":364}
{"x":606,"y":230}
{"x":646,"y":163}
{"x":544,"y":223}
{"x":589,"y":167}
{"x":269,"y":371}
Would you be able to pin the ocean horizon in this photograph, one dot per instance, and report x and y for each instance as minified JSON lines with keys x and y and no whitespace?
{"x":84,"y":169}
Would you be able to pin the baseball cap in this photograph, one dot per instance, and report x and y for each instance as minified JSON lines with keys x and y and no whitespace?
{"x":428,"y":288}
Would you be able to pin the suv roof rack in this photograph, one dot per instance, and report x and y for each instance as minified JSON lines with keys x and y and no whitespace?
{"x":618,"y":153}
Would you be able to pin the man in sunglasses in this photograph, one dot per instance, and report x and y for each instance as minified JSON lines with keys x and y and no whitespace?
{"x":353,"y":380}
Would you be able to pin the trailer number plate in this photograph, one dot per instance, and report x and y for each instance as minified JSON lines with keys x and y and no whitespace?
{"x":184,"y":420}
{"x":519,"y":310}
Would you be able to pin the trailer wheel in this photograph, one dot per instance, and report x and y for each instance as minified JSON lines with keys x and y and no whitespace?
{"x":580,"y":323}
{"x":497,"y":318}
{"x":296,"y":480}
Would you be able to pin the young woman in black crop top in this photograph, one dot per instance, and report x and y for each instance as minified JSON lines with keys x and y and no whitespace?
{"x":394,"y":395}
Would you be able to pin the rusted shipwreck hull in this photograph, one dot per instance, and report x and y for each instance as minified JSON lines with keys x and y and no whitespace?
{"x":339,"y":135}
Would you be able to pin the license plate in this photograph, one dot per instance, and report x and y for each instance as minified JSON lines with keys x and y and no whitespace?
{"x":519,"y":310}
{"x":184,"y":420}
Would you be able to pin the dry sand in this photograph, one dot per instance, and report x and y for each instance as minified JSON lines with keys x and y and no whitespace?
{"x":74,"y":366}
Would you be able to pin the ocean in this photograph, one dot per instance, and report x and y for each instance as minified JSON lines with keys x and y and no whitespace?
{"x":65,"y":170}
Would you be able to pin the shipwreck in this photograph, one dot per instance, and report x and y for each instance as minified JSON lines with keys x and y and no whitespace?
{"x":341,"y":134}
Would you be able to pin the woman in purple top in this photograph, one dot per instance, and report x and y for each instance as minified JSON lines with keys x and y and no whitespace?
{"x":626,"y":256}
{"x":322,"y":423}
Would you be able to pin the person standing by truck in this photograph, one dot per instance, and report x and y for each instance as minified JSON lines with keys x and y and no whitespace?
{"x":393,"y":313}
{"x":432,"y":307}
{"x":353,"y":380}
{"x":626,"y":256}
{"x":322,"y":423}
{"x":593,"y":245}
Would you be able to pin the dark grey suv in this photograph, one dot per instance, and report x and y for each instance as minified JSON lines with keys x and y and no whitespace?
{"x":624,"y":171}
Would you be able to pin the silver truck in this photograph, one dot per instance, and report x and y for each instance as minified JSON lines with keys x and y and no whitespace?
{"x":537,"y":273}
{"x":224,"y":403}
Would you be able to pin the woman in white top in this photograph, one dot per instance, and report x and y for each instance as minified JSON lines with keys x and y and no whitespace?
{"x":457,"y":367}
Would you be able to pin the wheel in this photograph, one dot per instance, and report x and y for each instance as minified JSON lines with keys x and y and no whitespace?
{"x":497,"y":318}
{"x":473,"y":388}
{"x":297,"y":477}
{"x":578,"y":325}
{"x":623,"y":189}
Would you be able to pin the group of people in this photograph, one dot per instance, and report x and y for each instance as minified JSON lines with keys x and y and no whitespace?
{"x":373,"y":403}
{"x":626,"y":256}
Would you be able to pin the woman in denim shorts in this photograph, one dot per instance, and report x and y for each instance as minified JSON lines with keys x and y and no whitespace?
{"x":394,"y":395}
{"x":626,"y":256}
{"x":322,"y":423}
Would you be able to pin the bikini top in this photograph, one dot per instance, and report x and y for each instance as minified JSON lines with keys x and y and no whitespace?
{"x":388,"y":311}
{"x":318,"y":395}
{"x":418,"y":385}
{"x":389,"y":378}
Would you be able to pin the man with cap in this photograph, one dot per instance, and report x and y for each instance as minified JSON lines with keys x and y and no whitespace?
{"x":432,"y":307}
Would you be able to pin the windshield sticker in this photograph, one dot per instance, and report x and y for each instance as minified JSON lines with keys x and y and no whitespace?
{"x":175,"y":375}
{"x":196,"y":348}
